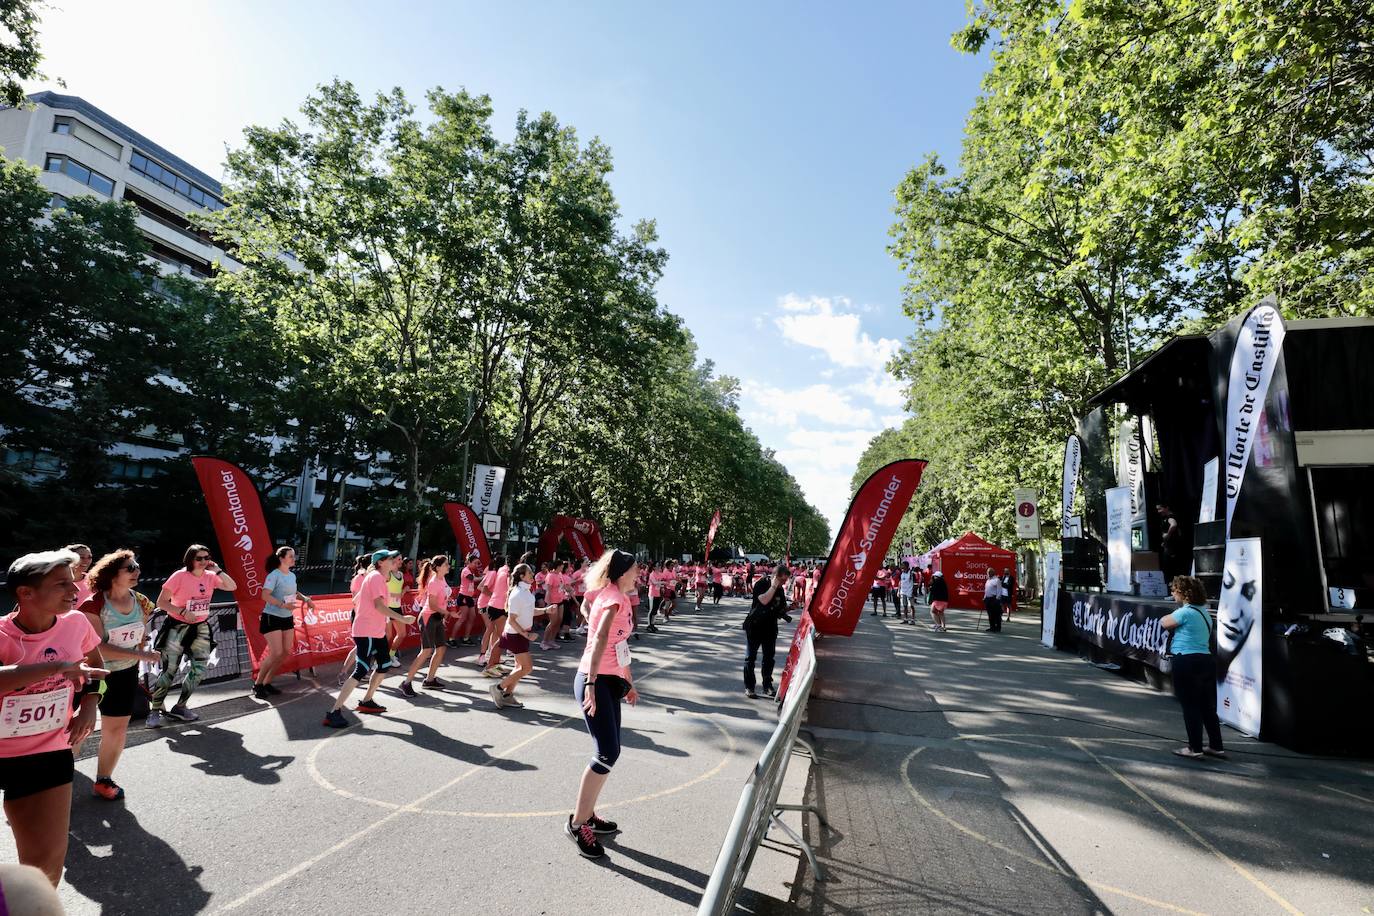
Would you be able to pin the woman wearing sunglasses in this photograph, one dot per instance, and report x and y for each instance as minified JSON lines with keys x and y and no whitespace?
{"x":119,"y":614}
{"x":186,"y":597}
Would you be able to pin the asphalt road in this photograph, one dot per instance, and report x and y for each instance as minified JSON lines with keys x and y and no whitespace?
{"x":443,"y":805}
{"x":972,"y":772}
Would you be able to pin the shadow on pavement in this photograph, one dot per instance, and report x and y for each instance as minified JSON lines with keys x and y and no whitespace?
{"x":669,"y":889}
{"x":222,"y":753}
{"x":113,"y":861}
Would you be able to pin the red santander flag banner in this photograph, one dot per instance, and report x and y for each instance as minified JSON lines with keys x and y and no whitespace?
{"x":468,"y":530}
{"x":711,"y":534}
{"x":799,"y":637}
{"x":861,"y":545}
{"x":244,"y":542}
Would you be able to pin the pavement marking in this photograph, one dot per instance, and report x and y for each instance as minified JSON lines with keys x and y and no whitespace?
{"x":1201,"y":841}
{"x":960,"y":772}
{"x":324,"y":783}
{"x":1051,"y":866}
{"x":412,"y":806}
{"x":1367,"y":801}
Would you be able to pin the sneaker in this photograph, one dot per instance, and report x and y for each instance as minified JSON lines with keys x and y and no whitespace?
{"x":601,"y":827}
{"x":154,"y":719}
{"x":1218,"y":754}
{"x":335,"y":719}
{"x":260,"y":692}
{"x":512,"y":702}
{"x":651,"y":628}
{"x":372,"y":707}
{"x":770,"y":690}
{"x":390,"y":663}
{"x":453,"y":643}
{"x":407,"y":690}
{"x":272,"y":690}
{"x":497,"y":696}
{"x":182,"y":714}
{"x":491,"y":672}
{"x":433,"y":684}
{"x":482,"y":659}
{"x":546,"y":646}
{"x":105,"y":788}
{"x":584,"y":835}
{"x":751,"y":693}
{"x":581,"y":631}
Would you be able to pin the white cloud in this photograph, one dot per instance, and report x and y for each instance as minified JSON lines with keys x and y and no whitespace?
{"x":788,"y":408}
{"x":885,"y":390}
{"x":815,"y":322}
{"x":893,"y":420}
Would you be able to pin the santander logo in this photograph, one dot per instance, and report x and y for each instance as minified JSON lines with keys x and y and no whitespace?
{"x":244,"y":543}
{"x":859,"y":559}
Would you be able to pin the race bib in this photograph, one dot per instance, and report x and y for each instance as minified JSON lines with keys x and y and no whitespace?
{"x":126,"y":637}
{"x":35,"y":713}
{"x":622,"y":654}
{"x":289,"y":601}
{"x":197,"y":610}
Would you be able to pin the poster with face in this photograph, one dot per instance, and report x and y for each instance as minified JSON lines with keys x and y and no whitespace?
{"x":1051,"y":598}
{"x":1240,"y":664}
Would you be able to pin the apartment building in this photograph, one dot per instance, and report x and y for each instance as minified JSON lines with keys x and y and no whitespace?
{"x":83,"y":150}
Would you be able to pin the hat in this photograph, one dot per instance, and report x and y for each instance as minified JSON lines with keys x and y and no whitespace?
{"x":384,"y":554}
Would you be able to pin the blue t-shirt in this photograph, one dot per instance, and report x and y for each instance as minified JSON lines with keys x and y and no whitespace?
{"x":1193,"y":634}
{"x":282,"y":586}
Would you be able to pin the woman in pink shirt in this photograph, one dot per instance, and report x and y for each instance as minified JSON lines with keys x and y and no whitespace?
{"x":603,"y":679}
{"x":553,"y":606}
{"x":81,"y":571}
{"x":490,"y":659}
{"x":435,"y":589}
{"x":49,"y":658}
{"x":466,"y":602}
{"x":186,"y":597}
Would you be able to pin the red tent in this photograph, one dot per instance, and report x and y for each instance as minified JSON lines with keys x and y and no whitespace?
{"x":965,"y":562}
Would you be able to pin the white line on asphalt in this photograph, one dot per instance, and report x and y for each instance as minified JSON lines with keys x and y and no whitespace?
{"x":412,"y":806}
{"x":1367,"y":801}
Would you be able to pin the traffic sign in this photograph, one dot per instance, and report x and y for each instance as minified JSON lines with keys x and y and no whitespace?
{"x":1027,"y":513}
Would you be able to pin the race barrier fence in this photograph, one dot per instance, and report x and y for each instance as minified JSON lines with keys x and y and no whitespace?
{"x":758,"y":808}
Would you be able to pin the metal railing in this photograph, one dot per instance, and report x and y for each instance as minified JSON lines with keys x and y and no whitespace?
{"x":758,"y":805}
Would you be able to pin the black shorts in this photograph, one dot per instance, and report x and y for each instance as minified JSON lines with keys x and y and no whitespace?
{"x":120,"y":689}
{"x":373,"y":652}
{"x":495,"y":613}
{"x":21,"y":777}
{"x":432,"y":632}
{"x":270,"y":623}
{"x":464,"y":601}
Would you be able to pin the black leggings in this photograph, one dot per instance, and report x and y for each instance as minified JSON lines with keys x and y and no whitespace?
{"x":1195,"y":685}
{"x":604,"y":726}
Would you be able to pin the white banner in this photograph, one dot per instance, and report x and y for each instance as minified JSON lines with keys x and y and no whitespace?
{"x":1128,"y":467}
{"x":1258,"y":346}
{"x":1207,"y":512}
{"x":1073,"y":459}
{"x":1027,"y":513}
{"x":1240,"y":637}
{"x":1119,"y":540}
{"x":486,"y":489}
{"x":1050,"y":602}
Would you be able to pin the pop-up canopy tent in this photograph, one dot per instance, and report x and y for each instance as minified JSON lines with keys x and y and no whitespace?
{"x":965,"y":562}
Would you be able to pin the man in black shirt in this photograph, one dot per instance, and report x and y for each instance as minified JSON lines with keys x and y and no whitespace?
{"x":761,"y":628}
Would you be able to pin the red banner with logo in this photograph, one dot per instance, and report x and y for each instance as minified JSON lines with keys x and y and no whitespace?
{"x":711,"y":534}
{"x":803,"y":632}
{"x":468,"y":530}
{"x":861,"y":545}
{"x":244,"y":542}
{"x":583,"y":536}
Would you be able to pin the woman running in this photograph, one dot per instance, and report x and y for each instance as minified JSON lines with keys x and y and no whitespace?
{"x":185,"y":598}
{"x":466,"y":602}
{"x":372,"y":609}
{"x":435,"y":591}
{"x":49,"y":663}
{"x":81,"y":572}
{"x":602,"y":681}
{"x":490,"y":659}
{"x":521,"y":609}
{"x":278,"y":619}
{"x":119,"y":615}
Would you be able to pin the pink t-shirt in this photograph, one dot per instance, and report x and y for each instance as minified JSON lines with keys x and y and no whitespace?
{"x":357,"y":583}
{"x":553,"y":587}
{"x":191,"y":594}
{"x":369,"y":621}
{"x":499,"y":586}
{"x":579,"y":583}
{"x":653,"y":583}
{"x":437,"y":588}
{"x":609,"y":600}
{"x":488,"y":580}
{"x":717,"y":575}
{"x":83,"y":591}
{"x":33,"y":718}
{"x":467,"y":581}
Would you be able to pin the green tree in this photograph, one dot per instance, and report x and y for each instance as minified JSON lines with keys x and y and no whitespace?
{"x":19,"y":54}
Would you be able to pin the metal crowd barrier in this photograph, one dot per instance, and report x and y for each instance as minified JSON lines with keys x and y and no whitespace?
{"x":758,"y":805}
{"x":230,"y":657}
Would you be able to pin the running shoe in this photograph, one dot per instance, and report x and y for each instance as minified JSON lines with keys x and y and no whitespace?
{"x":546,"y":646}
{"x":770,"y":690}
{"x":602,"y":827}
{"x":372,"y":707}
{"x":390,"y":663}
{"x":260,"y":692}
{"x":497,"y":696}
{"x":751,"y":693}
{"x":453,"y":643}
{"x":105,"y":788}
{"x":406,"y":689}
{"x":491,"y":672}
{"x":271,"y":689}
{"x":182,"y":714}
{"x":512,"y":702}
{"x":651,"y":628}
{"x":584,"y":835}
{"x":154,"y":719}
{"x":433,"y":684}
{"x":335,"y":719}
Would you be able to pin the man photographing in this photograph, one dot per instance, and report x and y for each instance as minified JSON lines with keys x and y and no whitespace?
{"x":769,"y":605}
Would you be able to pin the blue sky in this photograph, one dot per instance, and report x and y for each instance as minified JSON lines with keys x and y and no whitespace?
{"x":765,"y":138}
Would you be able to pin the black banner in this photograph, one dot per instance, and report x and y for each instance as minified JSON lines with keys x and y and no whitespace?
{"x":1119,"y":624}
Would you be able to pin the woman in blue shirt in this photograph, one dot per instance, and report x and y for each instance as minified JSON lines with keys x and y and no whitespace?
{"x":1195,"y":682}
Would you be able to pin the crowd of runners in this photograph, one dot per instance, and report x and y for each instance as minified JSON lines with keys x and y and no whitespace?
{"x":80,"y":630}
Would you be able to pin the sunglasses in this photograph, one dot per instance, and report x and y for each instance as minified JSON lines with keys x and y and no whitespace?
{"x":132,"y":567}
{"x":203,"y":559}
